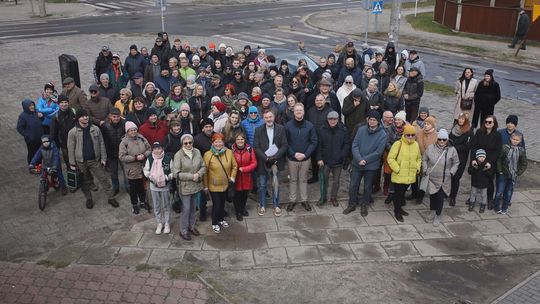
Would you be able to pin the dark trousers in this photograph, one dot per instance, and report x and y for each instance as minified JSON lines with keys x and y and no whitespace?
{"x":314,"y":166}
{"x":436,"y":201}
{"x":136,"y":191}
{"x":479,"y":115}
{"x":490,"y":189}
{"x":411,"y":109}
{"x":113,"y":164}
{"x":516,"y":39}
{"x":218,"y":206}
{"x":399,"y":196}
{"x":65,"y":157}
{"x":356,"y":177}
{"x":456,"y":178}
{"x":32,"y":148}
{"x":202,"y":205}
{"x":240,"y":199}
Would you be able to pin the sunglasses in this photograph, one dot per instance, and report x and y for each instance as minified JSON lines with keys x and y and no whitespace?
{"x":93,"y":92}
{"x":253,"y":113}
{"x":237,"y":74}
{"x":295,"y":82}
{"x":410,"y":135}
{"x":348,"y":82}
{"x":488,"y":121}
{"x":442,"y":139}
{"x":188,"y":143}
{"x":122,"y":94}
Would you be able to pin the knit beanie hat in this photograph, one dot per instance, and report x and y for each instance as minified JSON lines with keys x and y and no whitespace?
{"x":62,"y":98}
{"x":206,"y":121}
{"x":401,"y":115}
{"x":374,"y":114}
{"x":81,"y":113}
{"x":243,"y":95}
{"x":512,"y":119}
{"x":130,"y":125}
{"x":220,"y":106}
{"x":253,"y":109}
{"x":443,"y":134}
{"x":185,"y":106}
{"x":480,"y":153}
{"x":423,"y":110}
{"x":187,"y":135}
{"x":408,"y":129}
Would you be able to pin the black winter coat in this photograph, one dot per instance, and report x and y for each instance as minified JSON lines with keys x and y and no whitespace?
{"x":261,"y":144}
{"x":486,"y":97}
{"x":334,"y":145}
{"x":202,"y":142}
{"x":134,"y":64}
{"x":479,"y":176}
{"x":414,"y":87}
{"x":462,"y":145}
{"x":61,"y":123}
{"x":318,"y":117}
{"x":112,"y":136}
{"x":491,"y":143}
{"x":334,"y":102}
{"x":102,"y":65}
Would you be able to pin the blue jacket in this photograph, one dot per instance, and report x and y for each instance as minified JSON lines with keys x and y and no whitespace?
{"x":302,"y":138}
{"x":53,"y":159}
{"x":250,"y":127}
{"x":134,"y":64}
{"x":369,"y":145}
{"x":48,"y":110}
{"x":505,"y":137}
{"x":29,"y":125}
{"x":356,"y":74}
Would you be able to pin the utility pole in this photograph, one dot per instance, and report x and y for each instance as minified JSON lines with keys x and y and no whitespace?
{"x":42,"y":10}
{"x":395,"y":19}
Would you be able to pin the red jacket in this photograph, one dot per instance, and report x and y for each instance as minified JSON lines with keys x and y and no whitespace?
{"x":154,"y":133}
{"x":247,"y":163}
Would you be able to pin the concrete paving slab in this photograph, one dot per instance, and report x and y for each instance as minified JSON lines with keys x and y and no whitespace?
{"x":373,"y":234}
{"x":414,"y":217}
{"x":67,"y":254}
{"x":428,"y":231}
{"x":403,"y":232}
{"x":446,"y":247}
{"x":462,"y":229}
{"x":532,"y":195}
{"x":282,"y":239}
{"x":523,"y":197}
{"x":350,"y":220}
{"x":519,"y":224}
{"x":377,"y":218}
{"x":222,"y":241}
{"x":230,"y":259}
{"x":132,"y":256}
{"x":312,"y":237}
{"x":517,"y":210}
{"x":535,"y":220}
{"x":146,"y":225}
{"x":494,"y":243}
{"x":166,"y":257}
{"x":270,"y":256}
{"x":250,"y":241}
{"x":336,"y":252}
{"x":461,"y":214}
{"x":206,"y":259}
{"x":522,"y":240}
{"x":337,"y":236}
{"x":400,"y":249}
{"x":372,"y":251}
{"x":312,"y":221}
{"x":303,"y":254}
{"x":487,"y":227}
{"x":124,"y":238}
{"x":98,"y":255}
{"x":490,"y":214}
{"x":445,"y":218}
{"x":196,"y":243}
{"x":327,"y":209}
{"x":255,"y":225}
{"x":151,"y":240}
{"x":533,"y":206}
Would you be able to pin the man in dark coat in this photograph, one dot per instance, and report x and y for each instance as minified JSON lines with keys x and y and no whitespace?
{"x":134,"y":63}
{"x":317,"y":115}
{"x":62,"y":122}
{"x":487,"y":95}
{"x":163,"y":52}
{"x":113,"y":131}
{"x":203,"y":142}
{"x":524,"y":21}
{"x":103,"y":61}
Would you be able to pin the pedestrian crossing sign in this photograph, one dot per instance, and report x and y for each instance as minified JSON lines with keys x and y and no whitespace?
{"x":377,"y":7}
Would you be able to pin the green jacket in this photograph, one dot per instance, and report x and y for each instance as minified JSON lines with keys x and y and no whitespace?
{"x":502,"y":162}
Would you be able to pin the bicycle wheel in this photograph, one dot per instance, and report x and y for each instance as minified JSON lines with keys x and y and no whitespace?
{"x":42,"y":196}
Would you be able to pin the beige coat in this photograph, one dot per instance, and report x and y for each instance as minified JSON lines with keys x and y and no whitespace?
{"x":466,"y":94}
{"x":75,"y":144}
{"x":439,"y":171}
{"x":127,"y":153}
{"x":184,"y":168}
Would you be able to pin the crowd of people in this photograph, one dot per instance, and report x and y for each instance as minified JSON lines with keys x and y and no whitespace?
{"x":194,"y":124}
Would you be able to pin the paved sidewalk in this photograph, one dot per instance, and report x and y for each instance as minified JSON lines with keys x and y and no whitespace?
{"x":9,"y":12}
{"x":31,"y":283}
{"x":527,"y":292}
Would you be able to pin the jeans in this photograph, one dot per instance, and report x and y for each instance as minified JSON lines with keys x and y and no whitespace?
{"x":336,"y":174}
{"x":136,"y":191}
{"x":436,"y":201}
{"x":263,"y":187}
{"x":187,"y":219}
{"x":356,"y":178}
{"x":161,"y":199}
{"x":505,"y":189}
{"x":113,"y":164}
{"x":478,"y":196}
{"x":218,"y":206}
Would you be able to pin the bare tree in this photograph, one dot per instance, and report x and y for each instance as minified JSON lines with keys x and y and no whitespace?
{"x":42,"y":10}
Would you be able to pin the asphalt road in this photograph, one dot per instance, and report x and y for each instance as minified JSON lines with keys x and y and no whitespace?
{"x":268,"y":25}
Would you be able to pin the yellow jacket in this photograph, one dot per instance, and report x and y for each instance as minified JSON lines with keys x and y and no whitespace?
{"x":120,"y":106}
{"x":405,"y":161}
{"x":215,"y":179}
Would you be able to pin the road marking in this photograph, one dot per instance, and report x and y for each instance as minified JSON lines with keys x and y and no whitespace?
{"x":37,"y":35}
{"x":301,"y":33}
{"x":95,"y":6}
{"x":278,"y":38}
{"x":256,"y":37}
{"x":33,"y":29}
{"x":235,"y":39}
{"x":139,"y":4}
{"x":108,"y":5}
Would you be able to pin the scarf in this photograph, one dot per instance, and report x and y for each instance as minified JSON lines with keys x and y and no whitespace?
{"x":189,"y":152}
{"x":156,"y":172}
{"x":216,"y":152}
{"x":456,"y":130}
{"x":430,"y":131}
{"x":513,"y":157}
{"x":117,"y":71}
{"x":176,"y":98}
{"x":216,"y":115}
{"x":420,"y":123}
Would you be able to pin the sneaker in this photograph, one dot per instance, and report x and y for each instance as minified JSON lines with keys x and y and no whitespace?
{"x":277,"y":212}
{"x":89,"y":203}
{"x":159,"y":228}
{"x":437,"y":221}
{"x":167,"y":228}
{"x":482,"y":208}
{"x":471,"y":206}
{"x":224,"y":224}
{"x":432,"y":216}
{"x":216,"y":228}
{"x":114,"y":203}
{"x":498,"y":211}
{"x":504,"y":212}
{"x":261,"y":211}
{"x":349,"y":209}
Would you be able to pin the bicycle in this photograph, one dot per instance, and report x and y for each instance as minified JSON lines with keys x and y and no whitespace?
{"x":48,"y":179}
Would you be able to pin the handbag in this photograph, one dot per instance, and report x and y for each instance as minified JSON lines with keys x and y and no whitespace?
{"x":230,"y":188}
{"x":465,"y":104}
{"x":425,"y":179}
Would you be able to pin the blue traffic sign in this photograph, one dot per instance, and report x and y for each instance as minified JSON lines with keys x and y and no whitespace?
{"x":377,"y":7}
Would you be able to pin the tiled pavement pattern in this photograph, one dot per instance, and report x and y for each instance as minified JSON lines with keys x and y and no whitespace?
{"x":31,"y":283}
{"x":527,"y":292}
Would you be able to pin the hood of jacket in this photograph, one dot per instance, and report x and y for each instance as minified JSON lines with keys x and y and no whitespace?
{"x":26,"y":105}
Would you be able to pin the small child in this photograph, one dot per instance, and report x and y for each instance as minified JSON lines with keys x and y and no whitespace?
{"x":49,"y":156}
{"x":158,"y":170}
{"x":512,"y":163}
{"x":480,"y":175}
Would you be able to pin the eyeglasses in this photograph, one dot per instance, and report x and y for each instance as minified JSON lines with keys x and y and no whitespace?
{"x":442,"y":139}
{"x":488,"y":121}
{"x":188,"y":143}
{"x":410,"y":135}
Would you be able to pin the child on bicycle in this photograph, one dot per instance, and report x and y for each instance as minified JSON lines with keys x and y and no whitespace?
{"x":49,"y":156}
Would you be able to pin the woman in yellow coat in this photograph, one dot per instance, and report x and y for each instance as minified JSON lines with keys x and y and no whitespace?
{"x":221,"y":169}
{"x":405,"y":160}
